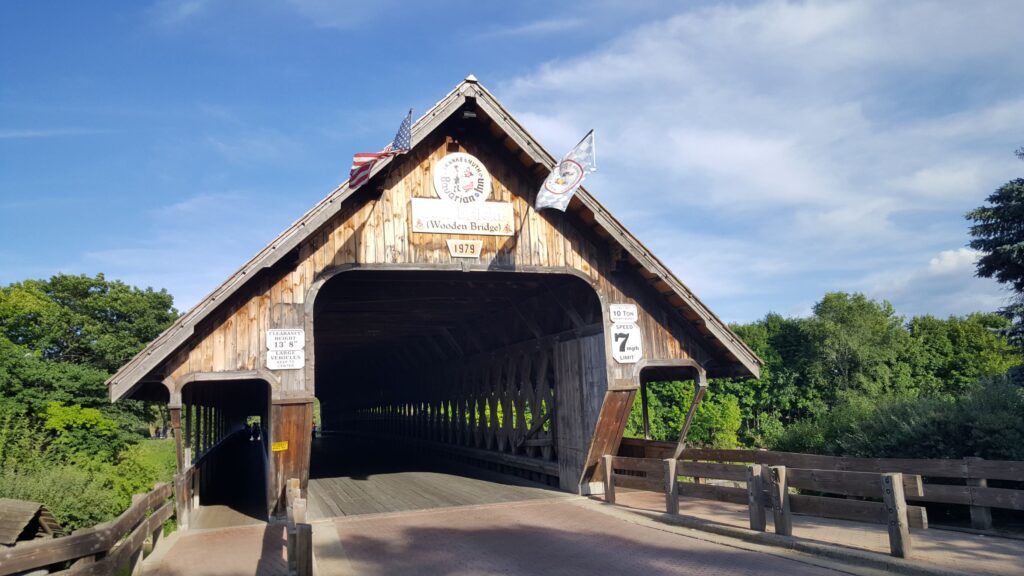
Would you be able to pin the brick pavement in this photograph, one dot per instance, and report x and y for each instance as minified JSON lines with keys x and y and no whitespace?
{"x":550,"y":537}
{"x":237,"y":551}
{"x":970,"y":553}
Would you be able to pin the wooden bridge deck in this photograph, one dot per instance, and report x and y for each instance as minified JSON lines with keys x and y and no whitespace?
{"x":349,"y":477}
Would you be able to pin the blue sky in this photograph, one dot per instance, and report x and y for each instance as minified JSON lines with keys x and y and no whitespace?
{"x":768,"y":152}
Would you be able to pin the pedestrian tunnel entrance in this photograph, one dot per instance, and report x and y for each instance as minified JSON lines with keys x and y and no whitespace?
{"x":447,"y":388}
{"x":225,"y":439}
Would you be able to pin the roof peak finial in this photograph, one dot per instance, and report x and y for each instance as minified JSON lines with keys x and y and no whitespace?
{"x":471,"y":78}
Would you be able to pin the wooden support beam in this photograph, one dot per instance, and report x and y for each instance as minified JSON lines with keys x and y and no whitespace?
{"x":778,"y":491}
{"x":609,"y":478}
{"x":671,"y":486}
{"x":529,"y":322}
{"x":450,"y":339}
{"x":700,"y":386}
{"x":981,"y":516}
{"x":755,"y":489}
{"x":896,"y":507}
{"x":570,"y":311}
{"x":644,"y":411}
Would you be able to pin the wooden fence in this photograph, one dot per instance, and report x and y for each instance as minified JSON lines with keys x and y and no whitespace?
{"x":767,"y":488}
{"x":103,"y":549}
{"x":937,"y":475}
{"x":300,"y":533}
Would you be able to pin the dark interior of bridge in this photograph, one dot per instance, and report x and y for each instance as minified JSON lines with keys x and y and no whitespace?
{"x":231,"y":455}
{"x":422,"y":371}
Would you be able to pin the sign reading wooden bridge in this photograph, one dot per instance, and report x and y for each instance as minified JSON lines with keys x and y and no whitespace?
{"x":435,"y":308}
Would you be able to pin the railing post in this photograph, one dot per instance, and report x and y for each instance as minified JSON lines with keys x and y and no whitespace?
{"x":755,"y":498}
{"x":304,"y":549}
{"x":609,"y":479}
{"x":896,"y":507}
{"x":981,"y":516}
{"x":671,"y":486}
{"x":197,"y":484}
{"x":181,"y":500}
{"x":779,"y":493}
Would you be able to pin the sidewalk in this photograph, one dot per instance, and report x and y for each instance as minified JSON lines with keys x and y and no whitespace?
{"x":969,"y":553}
{"x":234,"y":551}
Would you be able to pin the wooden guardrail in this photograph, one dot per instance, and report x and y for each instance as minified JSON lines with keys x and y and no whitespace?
{"x":103,"y":549}
{"x":974,"y":473}
{"x":300,"y":533}
{"x":768,"y":489}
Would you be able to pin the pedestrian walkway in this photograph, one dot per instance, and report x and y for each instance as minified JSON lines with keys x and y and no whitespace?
{"x":237,"y":551}
{"x":969,"y":553}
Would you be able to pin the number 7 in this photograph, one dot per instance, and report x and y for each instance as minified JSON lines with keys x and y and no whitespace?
{"x":624,"y":336}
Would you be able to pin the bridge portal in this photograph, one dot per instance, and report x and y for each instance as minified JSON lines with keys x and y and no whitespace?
{"x":434,"y":311}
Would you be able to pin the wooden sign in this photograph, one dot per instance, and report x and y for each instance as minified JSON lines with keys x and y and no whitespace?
{"x":464,"y":248}
{"x":461,"y":179}
{"x":435,"y":216}
{"x":279,"y":446}
{"x":463,"y":187}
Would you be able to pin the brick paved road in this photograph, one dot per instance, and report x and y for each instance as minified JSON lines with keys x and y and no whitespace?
{"x":550,"y":537}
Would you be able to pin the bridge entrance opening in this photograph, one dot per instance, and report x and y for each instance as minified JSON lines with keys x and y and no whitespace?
{"x":225,"y":424}
{"x":449,"y":388}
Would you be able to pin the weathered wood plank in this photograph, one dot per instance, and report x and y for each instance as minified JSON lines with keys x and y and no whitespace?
{"x":864,"y":484}
{"x":638,"y":464}
{"x":712,"y":492}
{"x":737,"y":472}
{"x":649,"y":483}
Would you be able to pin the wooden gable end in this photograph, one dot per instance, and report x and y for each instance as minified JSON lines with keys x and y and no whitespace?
{"x":373,"y":229}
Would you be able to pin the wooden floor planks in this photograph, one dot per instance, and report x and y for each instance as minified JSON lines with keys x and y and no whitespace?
{"x":349,"y":478}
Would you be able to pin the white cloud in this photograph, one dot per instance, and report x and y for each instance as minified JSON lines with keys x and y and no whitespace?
{"x":828,"y":140}
{"x":249,"y":147}
{"x":47,"y":133}
{"x":171,"y":13}
{"x":538,"y":27}
{"x":946,"y":285}
{"x":342,"y":15}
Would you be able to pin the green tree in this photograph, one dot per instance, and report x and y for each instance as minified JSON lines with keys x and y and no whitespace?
{"x":998,"y":233}
{"x":954,"y":354}
{"x":715,"y":424}
{"x":861,"y":346}
{"x":61,"y":440}
{"x":83,"y":319}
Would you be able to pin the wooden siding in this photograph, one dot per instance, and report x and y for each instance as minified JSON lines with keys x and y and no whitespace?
{"x":374,"y":230}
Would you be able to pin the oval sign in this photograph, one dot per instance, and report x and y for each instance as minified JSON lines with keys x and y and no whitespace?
{"x":462,"y":179}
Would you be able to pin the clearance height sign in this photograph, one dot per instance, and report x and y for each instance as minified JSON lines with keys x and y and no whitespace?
{"x":286,"y":349}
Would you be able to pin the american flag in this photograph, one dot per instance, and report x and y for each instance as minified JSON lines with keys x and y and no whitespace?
{"x":362,"y":163}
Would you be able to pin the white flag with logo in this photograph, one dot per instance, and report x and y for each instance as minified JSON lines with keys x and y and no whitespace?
{"x":568,"y":175}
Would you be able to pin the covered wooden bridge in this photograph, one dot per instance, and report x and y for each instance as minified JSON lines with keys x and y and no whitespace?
{"x":436,"y":315}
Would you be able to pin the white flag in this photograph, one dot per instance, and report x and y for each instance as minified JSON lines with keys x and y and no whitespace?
{"x":565,"y":178}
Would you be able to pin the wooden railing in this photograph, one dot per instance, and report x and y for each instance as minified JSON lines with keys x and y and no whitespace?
{"x":103,"y":549}
{"x":767,"y":489}
{"x":937,"y":474}
{"x":300,"y":533}
{"x":189,"y":483}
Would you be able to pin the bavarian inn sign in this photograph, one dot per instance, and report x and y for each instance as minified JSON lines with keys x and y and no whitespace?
{"x":463,"y":187}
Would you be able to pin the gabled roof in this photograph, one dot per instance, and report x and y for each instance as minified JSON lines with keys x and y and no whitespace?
{"x":24,"y":520}
{"x":740,"y":359}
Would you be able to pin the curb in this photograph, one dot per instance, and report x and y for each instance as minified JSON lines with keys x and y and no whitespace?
{"x":852,"y":556}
